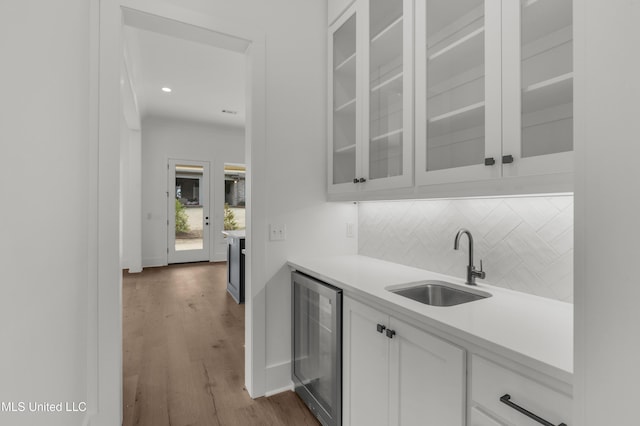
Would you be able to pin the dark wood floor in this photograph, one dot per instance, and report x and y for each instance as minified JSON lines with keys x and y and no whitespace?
{"x":184,"y":354}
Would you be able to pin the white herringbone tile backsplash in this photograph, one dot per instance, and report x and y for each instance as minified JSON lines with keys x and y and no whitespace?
{"x":526,"y":244}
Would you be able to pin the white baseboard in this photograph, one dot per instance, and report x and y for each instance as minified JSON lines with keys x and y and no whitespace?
{"x":154,"y":261}
{"x":278,"y":378}
{"x":277,"y":391}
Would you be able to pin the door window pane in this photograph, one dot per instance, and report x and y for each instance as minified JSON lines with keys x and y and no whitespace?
{"x":188,"y":208}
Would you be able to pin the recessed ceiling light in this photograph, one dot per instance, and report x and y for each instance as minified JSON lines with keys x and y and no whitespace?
{"x":166,"y":89}
{"x":228,"y":111}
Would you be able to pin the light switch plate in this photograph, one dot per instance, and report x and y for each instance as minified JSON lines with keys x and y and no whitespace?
{"x":277,"y":232}
{"x":351,"y":233}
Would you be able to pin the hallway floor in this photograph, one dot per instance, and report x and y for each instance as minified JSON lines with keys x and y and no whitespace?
{"x":183,"y":353}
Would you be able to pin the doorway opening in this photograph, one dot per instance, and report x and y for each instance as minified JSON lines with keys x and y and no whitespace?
{"x":104,"y":327}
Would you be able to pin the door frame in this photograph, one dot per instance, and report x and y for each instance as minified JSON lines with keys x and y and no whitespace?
{"x":185,"y":256}
{"x":104,"y":289}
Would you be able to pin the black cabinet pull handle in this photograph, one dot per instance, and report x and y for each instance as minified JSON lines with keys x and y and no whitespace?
{"x":381,"y":328}
{"x":355,"y":180}
{"x":507,"y":159}
{"x":489,"y":161}
{"x":506,"y":399}
{"x":362,"y":180}
{"x":390,"y":333}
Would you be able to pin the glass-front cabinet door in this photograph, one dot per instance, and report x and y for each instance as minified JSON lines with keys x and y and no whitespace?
{"x":538,"y":96}
{"x":458,"y":88}
{"x":344,"y":104}
{"x":388,"y":98}
{"x":371,"y":97}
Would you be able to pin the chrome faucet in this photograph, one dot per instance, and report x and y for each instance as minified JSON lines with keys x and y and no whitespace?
{"x":472,"y":272}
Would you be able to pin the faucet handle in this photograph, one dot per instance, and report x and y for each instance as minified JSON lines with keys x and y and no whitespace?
{"x":481,"y":274}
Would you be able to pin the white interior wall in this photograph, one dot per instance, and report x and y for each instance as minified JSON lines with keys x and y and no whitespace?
{"x":44,"y":250}
{"x":607,"y":202}
{"x":164,"y":138}
{"x":291,"y":177}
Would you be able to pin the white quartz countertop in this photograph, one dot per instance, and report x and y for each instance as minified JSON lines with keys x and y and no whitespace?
{"x":235,"y":234}
{"x":534,"y":331}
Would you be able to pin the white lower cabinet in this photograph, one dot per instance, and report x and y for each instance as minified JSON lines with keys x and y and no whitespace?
{"x":397,"y":374}
{"x":505,"y":393}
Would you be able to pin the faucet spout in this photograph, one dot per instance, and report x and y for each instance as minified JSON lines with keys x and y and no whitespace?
{"x":472,"y":272}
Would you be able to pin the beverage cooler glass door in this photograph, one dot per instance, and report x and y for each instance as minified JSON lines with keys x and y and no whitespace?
{"x":316,"y":347}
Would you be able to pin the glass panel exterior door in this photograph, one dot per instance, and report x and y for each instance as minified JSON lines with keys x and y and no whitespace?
{"x":455,"y":88}
{"x":546,"y":56}
{"x":188,"y":211}
{"x":386,"y":80}
{"x":344,"y":103}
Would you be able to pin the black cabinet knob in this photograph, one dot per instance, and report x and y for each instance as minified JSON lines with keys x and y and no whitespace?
{"x":381,"y":328}
{"x":355,"y":180}
{"x":390,"y":333}
{"x":362,"y":180}
{"x":489,"y":161}
{"x":507,"y":159}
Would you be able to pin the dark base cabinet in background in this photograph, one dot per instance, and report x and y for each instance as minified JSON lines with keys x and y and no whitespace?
{"x":235,"y":268}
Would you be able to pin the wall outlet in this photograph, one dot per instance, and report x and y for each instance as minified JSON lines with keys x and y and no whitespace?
{"x":351,"y":230}
{"x":277,"y":232}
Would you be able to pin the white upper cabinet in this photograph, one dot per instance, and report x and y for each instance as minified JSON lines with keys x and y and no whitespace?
{"x":458,"y":105}
{"x":486,"y":85}
{"x":371,"y":101}
{"x":494,"y":88}
{"x":343,"y":103}
{"x":538,"y":97}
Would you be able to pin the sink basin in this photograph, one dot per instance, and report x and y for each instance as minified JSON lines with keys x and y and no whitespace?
{"x":440,"y":293}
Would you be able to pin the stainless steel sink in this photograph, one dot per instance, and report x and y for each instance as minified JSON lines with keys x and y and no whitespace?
{"x":439,"y":293}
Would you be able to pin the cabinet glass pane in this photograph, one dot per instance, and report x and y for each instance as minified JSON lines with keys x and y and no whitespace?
{"x":455,"y":83}
{"x":344,"y":102}
{"x":547,"y":77}
{"x":386,"y":82}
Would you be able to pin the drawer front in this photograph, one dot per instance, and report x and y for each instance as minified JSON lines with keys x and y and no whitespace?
{"x":489,"y":382}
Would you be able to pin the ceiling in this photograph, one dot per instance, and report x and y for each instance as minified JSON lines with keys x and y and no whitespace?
{"x":204,"y":79}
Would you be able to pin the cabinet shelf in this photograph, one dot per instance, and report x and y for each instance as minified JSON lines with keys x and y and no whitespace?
{"x":348,"y":65}
{"x":348,"y":148}
{"x":387,"y":44}
{"x":471,"y":41}
{"x":542,"y":17}
{"x":392,"y":84}
{"x":347,"y":107}
{"x":454,"y":121}
{"x":387,"y":135}
{"x":459,"y":112}
{"x":463,"y":55}
{"x":548,"y":93}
